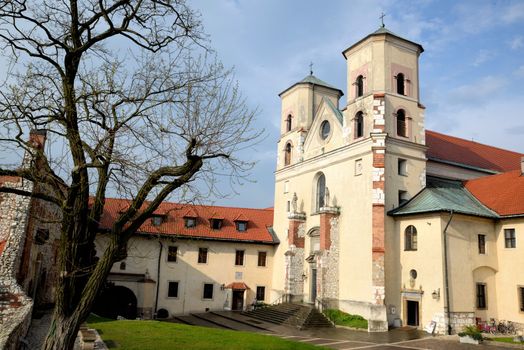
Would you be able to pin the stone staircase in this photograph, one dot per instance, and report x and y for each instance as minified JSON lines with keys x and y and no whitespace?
{"x":296,"y":315}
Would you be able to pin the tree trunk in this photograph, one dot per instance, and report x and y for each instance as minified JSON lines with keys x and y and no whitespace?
{"x":62,"y":333}
{"x":66,"y":320}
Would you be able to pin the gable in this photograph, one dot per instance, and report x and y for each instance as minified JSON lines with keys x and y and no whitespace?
{"x":314,"y":143}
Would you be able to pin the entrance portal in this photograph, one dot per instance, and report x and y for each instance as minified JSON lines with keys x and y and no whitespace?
{"x":116,"y":301}
{"x":412,"y":313}
{"x":238,"y":300}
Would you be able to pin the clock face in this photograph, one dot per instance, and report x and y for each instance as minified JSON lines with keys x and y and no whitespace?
{"x":325,"y":129}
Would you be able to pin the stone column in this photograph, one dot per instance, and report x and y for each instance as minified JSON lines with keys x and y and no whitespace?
{"x":295,"y":237}
{"x":295,"y":256}
{"x":326,"y":214}
{"x":378,"y":321}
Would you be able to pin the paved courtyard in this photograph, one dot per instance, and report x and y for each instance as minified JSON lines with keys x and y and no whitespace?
{"x":435,"y":343}
{"x":342,"y":338}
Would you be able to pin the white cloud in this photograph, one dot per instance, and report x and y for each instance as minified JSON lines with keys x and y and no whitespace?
{"x":517,"y":42}
{"x":478,"y":91}
{"x":513,"y":13}
{"x":520,"y":71}
{"x":482,"y":57}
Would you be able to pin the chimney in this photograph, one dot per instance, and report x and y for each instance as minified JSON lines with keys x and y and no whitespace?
{"x":37,"y":138}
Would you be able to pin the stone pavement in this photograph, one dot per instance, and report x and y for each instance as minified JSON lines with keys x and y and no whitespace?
{"x":432,"y":343}
{"x":342,"y":338}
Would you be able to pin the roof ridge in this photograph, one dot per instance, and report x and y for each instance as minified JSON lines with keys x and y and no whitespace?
{"x":199,"y":205}
{"x":471,"y":141}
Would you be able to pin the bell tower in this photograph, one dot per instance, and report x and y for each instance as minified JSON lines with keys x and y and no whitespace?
{"x":383,"y":87}
{"x":299,"y":104}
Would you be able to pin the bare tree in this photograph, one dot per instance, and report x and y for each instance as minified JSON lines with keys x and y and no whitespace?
{"x":134,"y":106}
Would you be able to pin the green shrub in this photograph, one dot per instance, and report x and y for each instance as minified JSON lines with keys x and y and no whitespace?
{"x":344,"y":319}
{"x":471,"y":331}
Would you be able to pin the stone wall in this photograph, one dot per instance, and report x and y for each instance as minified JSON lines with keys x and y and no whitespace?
{"x":296,"y":269}
{"x":329,"y":264}
{"x":458,"y":321}
{"x":15,"y":306}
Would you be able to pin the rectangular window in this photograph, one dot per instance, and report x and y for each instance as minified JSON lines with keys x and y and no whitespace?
{"x":481,"y":296}
{"x":262,"y":258}
{"x":190,"y":222}
{"x":261,"y":293}
{"x":172,"y":253}
{"x":239,"y":257}
{"x":402,"y":167}
{"x":202,"y":255}
{"x":402,"y":197}
{"x":509,"y":238}
{"x":216,"y":224}
{"x":208,"y":291}
{"x":521,"y":296}
{"x":241,"y":225}
{"x":157,"y":220}
{"x":482,"y":244}
{"x":172,"y":290}
{"x":288,"y":206}
{"x":358,"y":167}
{"x":286,"y":186}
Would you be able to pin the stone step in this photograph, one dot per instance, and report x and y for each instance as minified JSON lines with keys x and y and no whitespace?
{"x":226,"y":323}
{"x":195,"y":321}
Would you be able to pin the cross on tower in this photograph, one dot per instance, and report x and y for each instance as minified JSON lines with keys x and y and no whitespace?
{"x":311,"y":68}
{"x":382,"y":19}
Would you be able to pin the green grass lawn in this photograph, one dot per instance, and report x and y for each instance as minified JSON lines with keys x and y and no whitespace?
{"x":343,"y":319}
{"x":157,"y":335}
{"x":505,"y":340}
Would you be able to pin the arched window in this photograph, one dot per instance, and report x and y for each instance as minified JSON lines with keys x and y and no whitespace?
{"x":401,"y":123}
{"x":321,"y":191}
{"x":360,"y":86}
{"x":287,"y":154}
{"x":410,"y":238}
{"x":400,"y":84}
{"x":288,"y":123}
{"x":359,"y":125}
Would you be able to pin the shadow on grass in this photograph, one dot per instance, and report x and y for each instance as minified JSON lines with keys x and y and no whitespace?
{"x":111,"y":344}
{"x":98,"y":319}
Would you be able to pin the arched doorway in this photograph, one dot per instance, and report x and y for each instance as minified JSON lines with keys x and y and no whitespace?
{"x":116,"y":301}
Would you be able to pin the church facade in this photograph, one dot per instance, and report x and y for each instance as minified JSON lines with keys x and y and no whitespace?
{"x":343,"y":174}
{"x":373,"y":215}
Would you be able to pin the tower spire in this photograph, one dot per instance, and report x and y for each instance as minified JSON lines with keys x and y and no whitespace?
{"x":311,"y":68}
{"x":382,"y":19}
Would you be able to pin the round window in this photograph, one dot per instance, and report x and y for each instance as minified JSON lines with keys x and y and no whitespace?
{"x":325,"y":128}
{"x":413,"y":274}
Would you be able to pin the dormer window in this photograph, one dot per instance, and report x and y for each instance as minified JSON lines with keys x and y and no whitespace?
{"x":189,"y":222}
{"x":157,"y":220}
{"x":216,"y":224}
{"x":241,"y":225}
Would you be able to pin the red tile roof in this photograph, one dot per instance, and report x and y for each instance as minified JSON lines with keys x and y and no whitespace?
{"x":238,"y":286}
{"x":259,"y":221}
{"x":502,"y":193}
{"x":470,"y":153}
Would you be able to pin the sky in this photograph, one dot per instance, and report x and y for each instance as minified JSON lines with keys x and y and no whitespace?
{"x":471,"y":72}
